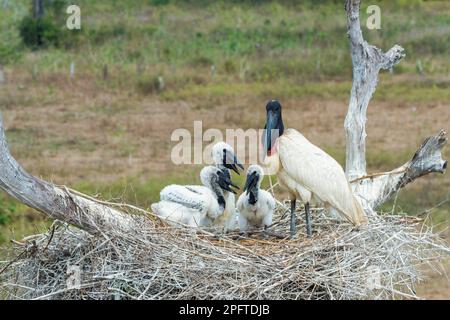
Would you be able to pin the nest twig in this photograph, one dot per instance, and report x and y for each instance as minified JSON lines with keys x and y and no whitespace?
{"x":379,"y":261}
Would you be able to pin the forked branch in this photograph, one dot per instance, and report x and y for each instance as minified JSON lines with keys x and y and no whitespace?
{"x":367,"y":61}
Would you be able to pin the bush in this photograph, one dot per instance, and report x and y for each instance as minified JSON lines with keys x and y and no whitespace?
{"x":39,"y":33}
{"x":48,"y":30}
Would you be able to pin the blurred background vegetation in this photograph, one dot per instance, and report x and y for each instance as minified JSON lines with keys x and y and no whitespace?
{"x":80,"y":105}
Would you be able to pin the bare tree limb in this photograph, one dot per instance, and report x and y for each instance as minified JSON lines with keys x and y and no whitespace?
{"x":58,"y":203}
{"x":375,"y":190}
{"x":38,"y":9}
{"x":367,"y":61}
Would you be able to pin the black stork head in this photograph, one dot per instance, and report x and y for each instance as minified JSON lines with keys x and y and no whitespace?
{"x":218,"y":180}
{"x":253,"y":182}
{"x":224,"y":181}
{"x":274,"y":126}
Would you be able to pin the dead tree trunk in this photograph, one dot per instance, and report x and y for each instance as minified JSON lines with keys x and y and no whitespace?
{"x":38,"y":9}
{"x":367,"y":61}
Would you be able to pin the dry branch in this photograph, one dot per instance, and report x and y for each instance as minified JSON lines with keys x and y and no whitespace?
{"x":427,"y":159}
{"x":367,"y":62}
{"x":57,"y":202}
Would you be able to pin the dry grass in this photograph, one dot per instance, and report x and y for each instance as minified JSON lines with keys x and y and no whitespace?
{"x":81,"y":132}
{"x":380,"y":261}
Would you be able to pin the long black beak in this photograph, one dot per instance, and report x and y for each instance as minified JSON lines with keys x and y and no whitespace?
{"x":252,"y":182}
{"x":230,"y":161}
{"x":225,"y":182}
{"x":271,"y":131}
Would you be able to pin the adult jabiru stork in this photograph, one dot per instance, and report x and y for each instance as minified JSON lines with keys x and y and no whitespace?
{"x":307,"y":172}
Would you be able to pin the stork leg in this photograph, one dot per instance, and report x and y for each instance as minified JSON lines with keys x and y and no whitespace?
{"x":308,"y":220}
{"x":293,"y":231}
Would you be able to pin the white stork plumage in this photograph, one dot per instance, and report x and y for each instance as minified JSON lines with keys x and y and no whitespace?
{"x":307,"y":172}
{"x":255,"y":206}
{"x":195,"y":205}
{"x":224,"y":158}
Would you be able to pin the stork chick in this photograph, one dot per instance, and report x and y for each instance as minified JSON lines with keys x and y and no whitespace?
{"x":224,"y":158}
{"x":195,"y":205}
{"x":256,"y":206}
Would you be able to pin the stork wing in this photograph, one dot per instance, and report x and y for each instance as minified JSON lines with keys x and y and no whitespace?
{"x":193,"y":197}
{"x":318,"y":172}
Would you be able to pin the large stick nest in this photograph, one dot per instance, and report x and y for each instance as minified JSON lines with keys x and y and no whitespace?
{"x":381,"y":260}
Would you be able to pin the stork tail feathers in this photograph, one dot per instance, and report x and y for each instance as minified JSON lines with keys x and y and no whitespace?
{"x":359,"y":216}
{"x":353,"y":213}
